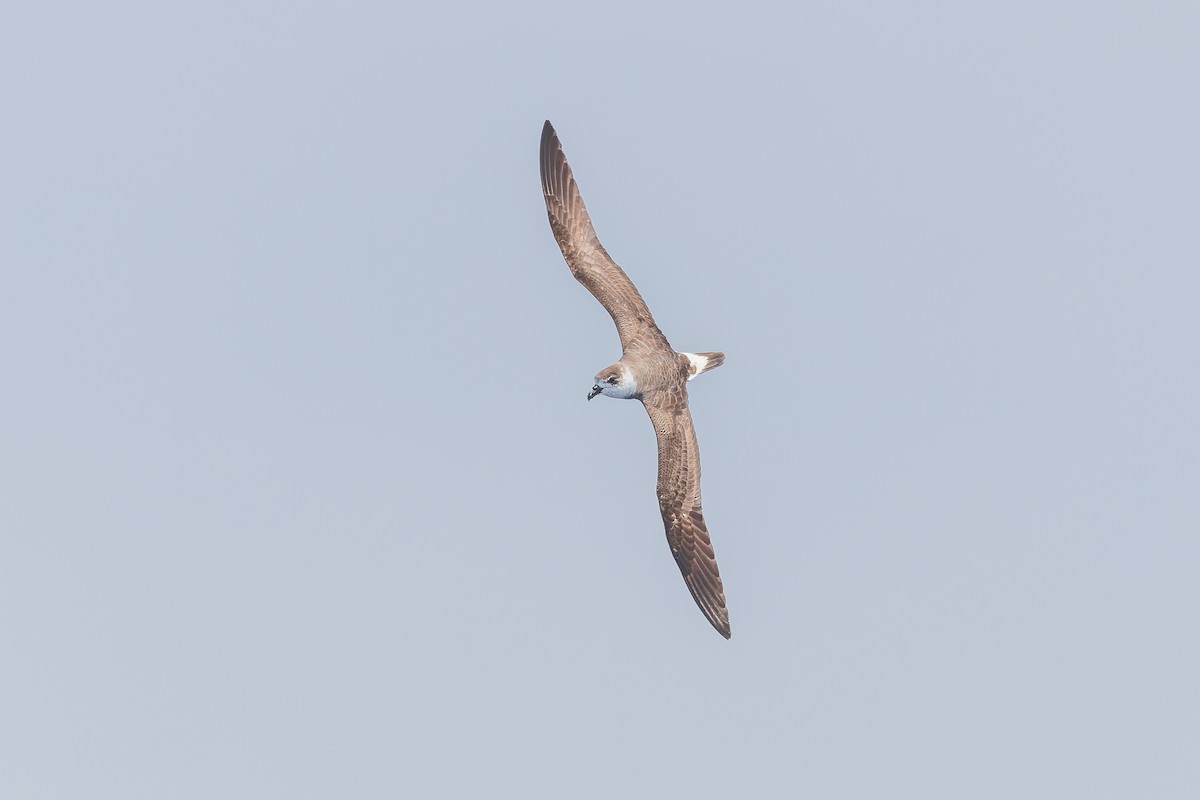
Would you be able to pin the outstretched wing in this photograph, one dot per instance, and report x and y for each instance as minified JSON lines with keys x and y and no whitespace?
{"x":589,"y":262}
{"x":679,"y":501}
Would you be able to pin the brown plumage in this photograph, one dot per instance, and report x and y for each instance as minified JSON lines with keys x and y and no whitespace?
{"x":649,"y":370}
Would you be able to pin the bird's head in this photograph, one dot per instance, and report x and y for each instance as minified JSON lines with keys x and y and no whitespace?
{"x":615,"y":381}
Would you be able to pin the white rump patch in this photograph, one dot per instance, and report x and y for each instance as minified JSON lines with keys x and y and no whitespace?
{"x":698,"y":364}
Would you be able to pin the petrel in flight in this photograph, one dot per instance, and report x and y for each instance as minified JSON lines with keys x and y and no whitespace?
{"x":649,"y":370}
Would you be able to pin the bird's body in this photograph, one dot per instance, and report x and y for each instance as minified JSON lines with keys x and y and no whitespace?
{"x":651,"y":371}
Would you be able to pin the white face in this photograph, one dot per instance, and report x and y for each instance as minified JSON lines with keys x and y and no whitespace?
{"x":624,"y":388}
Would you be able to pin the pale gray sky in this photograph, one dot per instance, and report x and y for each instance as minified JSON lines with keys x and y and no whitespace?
{"x":302,"y":497}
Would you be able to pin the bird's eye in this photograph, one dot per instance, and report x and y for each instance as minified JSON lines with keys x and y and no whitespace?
{"x":612,"y":379}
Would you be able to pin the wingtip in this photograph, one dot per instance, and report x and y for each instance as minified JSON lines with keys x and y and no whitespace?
{"x":717,"y":615}
{"x":549,"y":147}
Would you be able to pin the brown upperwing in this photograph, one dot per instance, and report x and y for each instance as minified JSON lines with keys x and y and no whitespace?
{"x":590,"y":263}
{"x":679,"y":501}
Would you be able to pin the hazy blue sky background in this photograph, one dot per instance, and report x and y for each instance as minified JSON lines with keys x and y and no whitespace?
{"x":302,"y":498}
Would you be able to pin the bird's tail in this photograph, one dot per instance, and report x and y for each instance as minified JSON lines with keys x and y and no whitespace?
{"x":703,"y":362}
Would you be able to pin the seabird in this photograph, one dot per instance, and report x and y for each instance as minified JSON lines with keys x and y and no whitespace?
{"x":650,"y":370}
